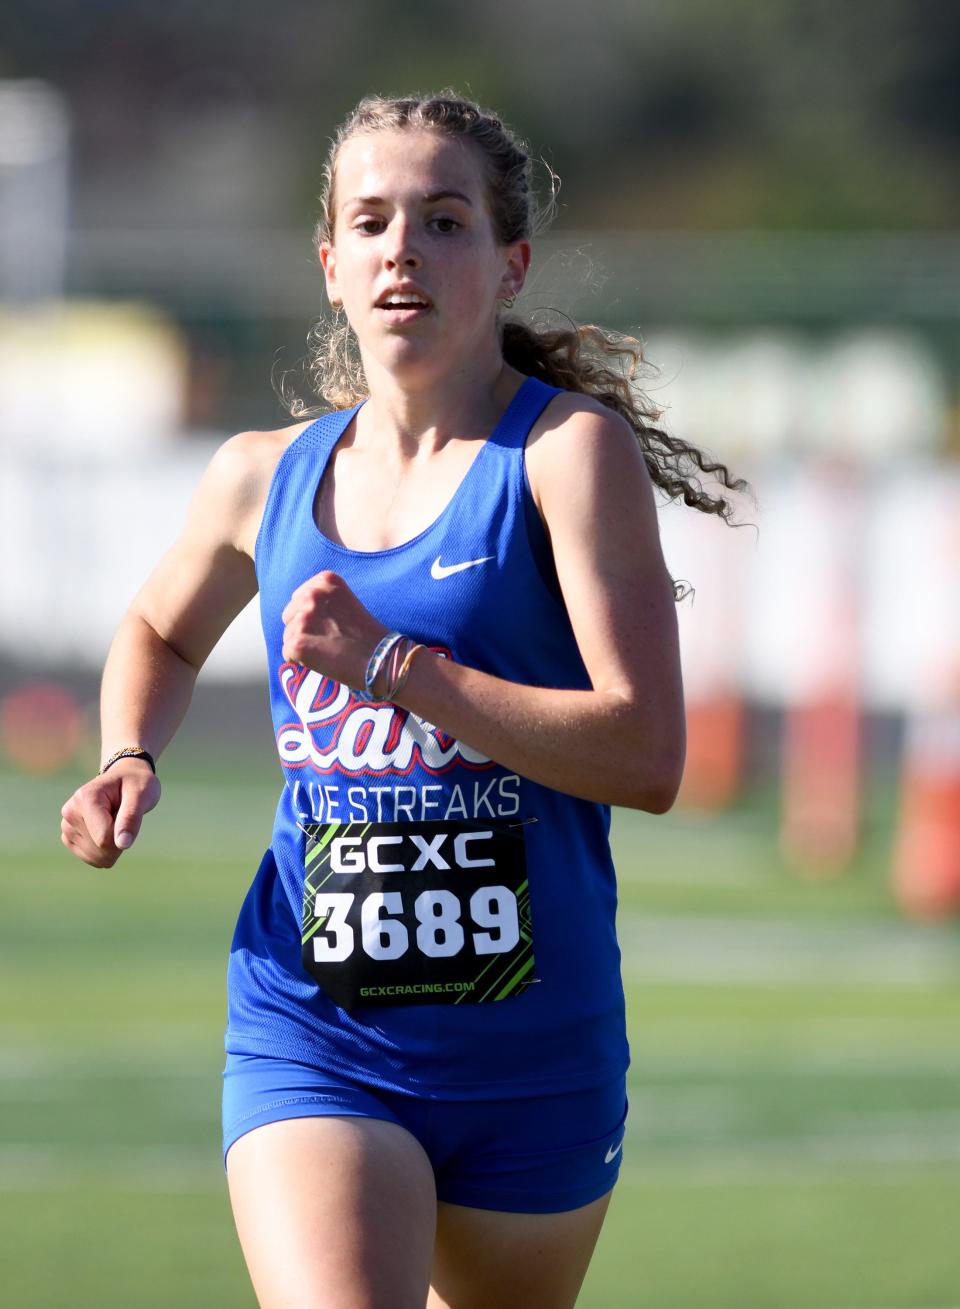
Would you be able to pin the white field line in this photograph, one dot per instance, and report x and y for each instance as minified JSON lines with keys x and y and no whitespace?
{"x":48,"y":1048}
{"x":720,"y":1111}
{"x":30,"y":820}
{"x":842,"y":1142}
{"x":718,"y":1127}
{"x":694,"y":874}
{"x":814,"y":1158}
{"x":787,"y":1059}
{"x":883,"y":1144}
{"x":657,"y":1052}
{"x":645,"y":1078}
{"x":37,"y":1070}
{"x":824,"y":1046}
{"x":706,"y":949}
{"x":165,"y":1168}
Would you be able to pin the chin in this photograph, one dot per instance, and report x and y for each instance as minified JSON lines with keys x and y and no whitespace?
{"x":415,"y":361}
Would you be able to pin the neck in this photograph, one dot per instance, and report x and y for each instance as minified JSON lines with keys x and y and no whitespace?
{"x":461,"y":404}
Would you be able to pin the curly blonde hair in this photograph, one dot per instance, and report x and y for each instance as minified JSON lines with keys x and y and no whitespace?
{"x":588,"y":359}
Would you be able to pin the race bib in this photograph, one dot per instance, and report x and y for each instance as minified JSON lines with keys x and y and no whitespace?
{"x":417,"y":913}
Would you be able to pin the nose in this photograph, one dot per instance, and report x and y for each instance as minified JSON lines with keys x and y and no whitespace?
{"x":400,"y":250}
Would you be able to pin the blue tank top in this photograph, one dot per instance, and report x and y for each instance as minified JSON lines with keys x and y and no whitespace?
{"x":348,"y":761}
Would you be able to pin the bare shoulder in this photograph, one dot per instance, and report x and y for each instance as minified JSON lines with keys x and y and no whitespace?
{"x":239,"y":475}
{"x":248,"y":460}
{"x":577,"y":442}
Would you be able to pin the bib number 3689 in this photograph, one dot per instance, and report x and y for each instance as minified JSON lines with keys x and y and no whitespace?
{"x":417,"y":913}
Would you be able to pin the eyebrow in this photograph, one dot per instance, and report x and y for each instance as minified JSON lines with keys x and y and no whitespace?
{"x":431,"y":198}
{"x":448,"y":195}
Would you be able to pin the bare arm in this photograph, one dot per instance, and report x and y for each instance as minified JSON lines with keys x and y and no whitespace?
{"x":621,"y":742}
{"x":192,"y":596}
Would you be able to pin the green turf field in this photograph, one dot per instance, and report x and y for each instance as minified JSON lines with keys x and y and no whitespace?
{"x":794,"y":1138}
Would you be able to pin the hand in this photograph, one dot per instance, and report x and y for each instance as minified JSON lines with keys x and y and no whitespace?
{"x":328,"y":629}
{"x":102,"y":818}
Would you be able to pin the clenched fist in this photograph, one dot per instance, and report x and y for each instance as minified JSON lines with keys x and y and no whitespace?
{"x":103,"y":817}
{"x":329,"y":630}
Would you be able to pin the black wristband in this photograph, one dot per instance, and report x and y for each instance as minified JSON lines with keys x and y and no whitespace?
{"x":130,"y":752}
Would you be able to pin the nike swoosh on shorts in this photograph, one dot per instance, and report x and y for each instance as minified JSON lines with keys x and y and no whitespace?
{"x":613,"y":1151}
{"x":439,"y":571}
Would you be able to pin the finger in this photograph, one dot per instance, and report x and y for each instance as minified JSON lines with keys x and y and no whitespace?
{"x":301,"y":608}
{"x":129,"y":817}
{"x":309,"y":592}
{"x":87,"y":823}
{"x":140,"y":792}
{"x":294,"y":646}
{"x":97,"y":814}
{"x":303,"y":604}
{"x":79,"y":844}
{"x":70,"y":828}
{"x":299,"y":629}
{"x":74,"y":807}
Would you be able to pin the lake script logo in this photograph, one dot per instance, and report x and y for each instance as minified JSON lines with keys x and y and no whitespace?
{"x":335,"y":730}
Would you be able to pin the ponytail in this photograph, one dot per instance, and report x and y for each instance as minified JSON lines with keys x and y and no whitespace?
{"x":606,"y":366}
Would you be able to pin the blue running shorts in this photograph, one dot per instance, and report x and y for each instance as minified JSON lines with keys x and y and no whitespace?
{"x":537,"y":1155}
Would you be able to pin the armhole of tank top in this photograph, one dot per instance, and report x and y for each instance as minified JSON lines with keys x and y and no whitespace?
{"x":537,"y":539}
{"x":295,"y":447}
{"x":272,"y":492}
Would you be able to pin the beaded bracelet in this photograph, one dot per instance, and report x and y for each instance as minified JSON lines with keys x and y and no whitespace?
{"x":130,"y":752}
{"x":375,"y":663}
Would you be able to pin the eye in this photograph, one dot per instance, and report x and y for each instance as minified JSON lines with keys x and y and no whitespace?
{"x":444,"y":223}
{"x":368,"y":226}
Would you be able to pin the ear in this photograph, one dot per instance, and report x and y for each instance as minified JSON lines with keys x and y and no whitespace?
{"x":515,"y":272}
{"x":328,"y":262}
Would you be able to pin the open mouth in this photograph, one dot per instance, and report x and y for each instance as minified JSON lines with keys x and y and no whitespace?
{"x":403,"y":306}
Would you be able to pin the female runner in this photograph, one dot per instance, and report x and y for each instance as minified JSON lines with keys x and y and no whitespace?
{"x":473,"y":652}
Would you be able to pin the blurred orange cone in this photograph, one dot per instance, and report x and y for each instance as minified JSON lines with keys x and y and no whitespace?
{"x":926,"y":856}
{"x":926,"y":867}
{"x":821,"y":783}
{"x":712,"y":636}
{"x":41,"y":727}
{"x":821,"y":761}
{"x":714,"y":751}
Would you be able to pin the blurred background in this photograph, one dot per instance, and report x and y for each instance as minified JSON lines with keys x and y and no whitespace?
{"x":767,"y":194}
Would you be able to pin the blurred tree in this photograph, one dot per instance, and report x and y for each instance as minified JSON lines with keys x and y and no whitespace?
{"x":663,"y":113}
